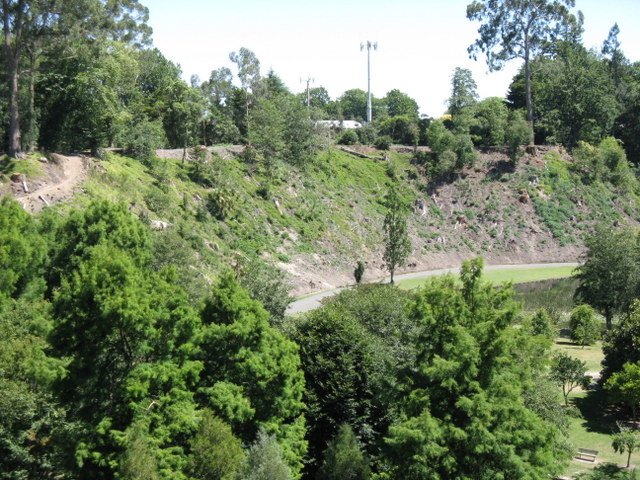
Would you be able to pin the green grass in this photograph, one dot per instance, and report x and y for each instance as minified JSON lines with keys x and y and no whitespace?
{"x":596,"y":423}
{"x":591,"y":354}
{"x":30,"y":167}
{"x":593,"y":430}
{"x":514,"y":275}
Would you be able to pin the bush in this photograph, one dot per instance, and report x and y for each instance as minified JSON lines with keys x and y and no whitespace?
{"x":348,"y":137}
{"x":367,"y":135}
{"x":439,"y":138}
{"x":584,"y":326}
{"x":383,"y":143}
{"x":359,"y":272}
{"x":142,"y":139}
{"x":613,"y":157}
{"x":465,"y":152}
{"x":518,"y":133}
{"x":492,"y":118}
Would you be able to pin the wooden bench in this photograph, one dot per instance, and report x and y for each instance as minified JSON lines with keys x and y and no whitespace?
{"x":586,"y":454}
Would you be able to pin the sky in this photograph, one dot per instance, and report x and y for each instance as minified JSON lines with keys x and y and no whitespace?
{"x":420,"y":42}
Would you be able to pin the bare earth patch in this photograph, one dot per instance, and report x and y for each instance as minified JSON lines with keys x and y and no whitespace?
{"x":61,"y":179}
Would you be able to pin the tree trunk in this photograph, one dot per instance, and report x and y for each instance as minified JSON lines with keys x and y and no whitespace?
{"x":391,"y":272}
{"x":527,"y":84}
{"x":629,"y":459}
{"x":33,"y":58}
{"x":14,"y":112}
{"x":608,"y":316}
{"x":12,"y":32}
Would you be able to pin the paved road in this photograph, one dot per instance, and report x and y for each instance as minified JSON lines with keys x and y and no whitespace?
{"x":312,"y":301}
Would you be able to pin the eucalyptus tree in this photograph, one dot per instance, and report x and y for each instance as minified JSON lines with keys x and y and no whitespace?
{"x":512,"y":29}
{"x":29,"y":25}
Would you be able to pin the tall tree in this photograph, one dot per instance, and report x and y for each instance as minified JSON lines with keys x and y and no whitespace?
{"x":26,"y":22}
{"x":249,"y":74}
{"x":610,"y":274}
{"x":397,"y":244}
{"x":522,"y":29}
{"x":463,"y":91}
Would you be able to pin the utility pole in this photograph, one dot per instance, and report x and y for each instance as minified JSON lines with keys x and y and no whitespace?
{"x":369,"y":45}
{"x":308,"y":81}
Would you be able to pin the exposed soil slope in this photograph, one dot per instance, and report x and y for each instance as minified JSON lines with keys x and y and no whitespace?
{"x":62,"y":177}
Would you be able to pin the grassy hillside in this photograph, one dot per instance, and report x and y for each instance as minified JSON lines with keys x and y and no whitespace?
{"x":316,"y":222}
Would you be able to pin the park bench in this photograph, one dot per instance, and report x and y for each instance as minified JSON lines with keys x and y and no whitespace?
{"x":586,"y":454}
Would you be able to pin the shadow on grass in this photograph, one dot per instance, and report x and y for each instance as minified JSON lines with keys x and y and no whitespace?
{"x":598,"y":415}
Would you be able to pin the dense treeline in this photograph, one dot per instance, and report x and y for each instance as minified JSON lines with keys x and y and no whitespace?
{"x":109,"y":370}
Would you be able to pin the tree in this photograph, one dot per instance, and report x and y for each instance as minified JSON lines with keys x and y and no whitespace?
{"x":584,"y":326}
{"x":251,"y":376}
{"x":128,"y":337}
{"x":522,"y":29}
{"x":463,"y":91}
{"x":569,"y":373}
{"x":216,"y":454}
{"x":542,"y":324}
{"x":619,"y":343}
{"x":463,"y":412}
{"x":625,"y":386}
{"x":399,"y":103}
{"x":343,"y":458}
{"x":359,"y":271}
{"x":344,"y":372}
{"x":22,"y":250}
{"x":248,"y":67}
{"x":397,"y":244}
{"x":609,"y":277}
{"x":626,"y":441}
{"x":265,"y":460}
{"x":27,"y":23}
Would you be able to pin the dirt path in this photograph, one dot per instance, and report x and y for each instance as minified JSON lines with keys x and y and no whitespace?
{"x":313,"y":301}
{"x":63,"y":176}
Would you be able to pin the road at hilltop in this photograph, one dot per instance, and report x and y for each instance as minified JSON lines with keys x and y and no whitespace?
{"x":313,"y":301}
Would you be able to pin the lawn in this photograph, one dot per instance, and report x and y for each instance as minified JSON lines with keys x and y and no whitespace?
{"x":499,"y":276}
{"x":597,"y":419}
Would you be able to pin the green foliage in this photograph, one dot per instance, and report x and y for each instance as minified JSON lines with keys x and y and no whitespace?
{"x":627,"y":441}
{"x":268,"y":285}
{"x":359,"y":272}
{"x":367,"y":135}
{"x":138,"y":461}
{"x":342,"y":372}
{"x":584,"y":327}
{"x":22,"y":250}
{"x":397,"y":245}
{"x":402,"y":129}
{"x":517,"y":133}
{"x":569,"y":373}
{"x":609,"y":276}
{"x":542,"y":324}
{"x":463,"y":411}
{"x":128,"y":337}
{"x":348,"y":137}
{"x":265,"y":460}
{"x":143,"y":138}
{"x":343,"y":458}
{"x":383,"y":142}
{"x":625,"y":386}
{"x":618,"y":343}
{"x":491,"y":121}
{"x":400,"y":104}
{"x":31,"y":415}
{"x":216,"y":454}
{"x":99,"y":223}
{"x":251,"y":376}
{"x":463,"y":91}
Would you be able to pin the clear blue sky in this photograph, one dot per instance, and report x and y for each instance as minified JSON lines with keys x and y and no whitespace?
{"x":420,"y":42}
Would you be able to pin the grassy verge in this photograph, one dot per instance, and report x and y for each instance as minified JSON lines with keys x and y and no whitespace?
{"x":513,"y":275}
